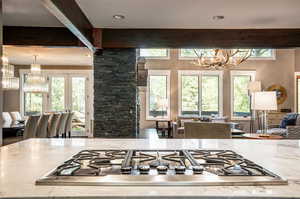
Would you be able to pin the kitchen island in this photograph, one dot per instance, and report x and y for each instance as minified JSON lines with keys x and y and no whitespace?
{"x":21,"y":164}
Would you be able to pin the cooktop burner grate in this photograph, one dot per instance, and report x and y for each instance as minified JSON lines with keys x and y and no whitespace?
{"x":159,"y":167}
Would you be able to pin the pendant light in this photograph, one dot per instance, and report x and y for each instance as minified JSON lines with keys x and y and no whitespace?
{"x":9,"y":81}
{"x":35,"y":82}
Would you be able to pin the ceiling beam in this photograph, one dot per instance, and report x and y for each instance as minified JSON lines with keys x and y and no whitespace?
{"x":156,"y":38}
{"x":71,"y":16}
{"x":39,"y":36}
{"x":200,"y":38}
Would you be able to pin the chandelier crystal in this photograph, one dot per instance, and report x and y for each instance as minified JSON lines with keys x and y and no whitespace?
{"x":9,"y":81}
{"x":222,"y":58}
{"x":35,"y":82}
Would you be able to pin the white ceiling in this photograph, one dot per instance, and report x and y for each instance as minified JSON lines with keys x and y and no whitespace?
{"x":165,"y":13}
{"x":48,"y":56}
{"x":27,"y":13}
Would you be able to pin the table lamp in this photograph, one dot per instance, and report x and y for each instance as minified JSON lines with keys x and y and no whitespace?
{"x":264,"y":101}
{"x":253,"y":86}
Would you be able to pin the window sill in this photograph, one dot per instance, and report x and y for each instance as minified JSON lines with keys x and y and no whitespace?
{"x":240,"y":119}
{"x":157,"y":119}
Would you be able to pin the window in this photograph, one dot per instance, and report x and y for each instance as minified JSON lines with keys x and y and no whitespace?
{"x":240,"y":100}
{"x":200,"y":92}
{"x":210,"y":95}
{"x":57,"y":93}
{"x":154,"y":53}
{"x":190,"y":95}
{"x":158,"y":92}
{"x":33,"y":103}
{"x":256,"y":53}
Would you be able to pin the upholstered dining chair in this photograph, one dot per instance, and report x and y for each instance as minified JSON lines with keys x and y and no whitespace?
{"x":207,"y":130}
{"x":16,"y":116}
{"x":31,"y":126}
{"x":6,"y":117}
{"x":69,"y":124}
{"x":61,"y":126}
{"x":42,"y":126}
{"x":52,"y":126}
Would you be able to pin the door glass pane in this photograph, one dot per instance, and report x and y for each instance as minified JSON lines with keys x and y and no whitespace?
{"x":33,"y":103}
{"x":241,"y":100}
{"x":189,"y":95}
{"x":78,"y":103}
{"x":57,"y":93}
{"x":210,"y":95}
{"x":158,"y":99}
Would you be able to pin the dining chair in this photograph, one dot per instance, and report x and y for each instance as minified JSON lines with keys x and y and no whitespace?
{"x":207,"y":130}
{"x":31,"y":126}
{"x":6,"y":117}
{"x":16,"y":116}
{"x":52,"y":126}
{"x":42,"y":126}
{"x":68,"y":128}
{"x":61,"y":126}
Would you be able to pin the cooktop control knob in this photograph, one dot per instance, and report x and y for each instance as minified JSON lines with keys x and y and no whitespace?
{"x":198,"y":169}
{"x":126,"y":170}
{"x":179,"y":169}
{"x":161,"y":169}
{"x":144,"y":169}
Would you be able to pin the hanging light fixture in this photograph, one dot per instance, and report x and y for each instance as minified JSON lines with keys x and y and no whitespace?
{"x":222,"y":58}
{"x":9,"y":82}
{"x":35,"y":82}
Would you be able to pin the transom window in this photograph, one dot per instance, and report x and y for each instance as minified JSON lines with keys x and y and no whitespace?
{"x":200,"y":92}
{"x":255,"y":54}
{"x":158,"y":95}
{"x":154,"y":53}
{"x":240,"y":100}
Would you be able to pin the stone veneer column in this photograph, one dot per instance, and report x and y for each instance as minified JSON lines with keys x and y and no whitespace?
{"x":115,"y":93}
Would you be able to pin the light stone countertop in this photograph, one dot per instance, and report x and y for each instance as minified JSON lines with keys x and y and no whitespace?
{"x":24,"y":162}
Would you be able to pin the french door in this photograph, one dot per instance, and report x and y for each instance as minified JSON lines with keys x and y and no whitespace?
{"x":70,"y":92}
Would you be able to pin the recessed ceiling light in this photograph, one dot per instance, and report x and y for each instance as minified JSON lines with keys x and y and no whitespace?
{"x":119,"y":17}
{"x":218,"y":17}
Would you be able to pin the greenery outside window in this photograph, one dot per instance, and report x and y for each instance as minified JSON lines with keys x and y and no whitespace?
{"x":256,"y":53}
{"x":32,"y":102}
{"x":154,"y":53}
{"x":200,"y":93}
{"x":240,"y":100}
{"x":158,"y":95}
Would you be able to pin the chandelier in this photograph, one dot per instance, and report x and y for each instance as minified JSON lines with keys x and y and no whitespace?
{"x":9,"y":81}
{"x":35,"y":82}
{"x":219,"y":59}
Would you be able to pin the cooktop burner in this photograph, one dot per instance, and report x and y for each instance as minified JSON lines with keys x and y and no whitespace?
{"x":159,"y":167}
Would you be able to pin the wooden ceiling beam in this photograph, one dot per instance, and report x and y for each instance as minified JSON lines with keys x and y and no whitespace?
{"x":156,"y":38}
{"x":200,"y":38}
{"x":71,"y":16}
{"x":39,"y":36}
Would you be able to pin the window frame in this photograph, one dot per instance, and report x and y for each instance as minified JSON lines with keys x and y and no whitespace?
{"x":156,"y":57}
{"x":273,"y":56}
{"x":296,"y":78}
{"x":200,"y":73}
{"x":158,"y":73}
{"x":233,"y":73}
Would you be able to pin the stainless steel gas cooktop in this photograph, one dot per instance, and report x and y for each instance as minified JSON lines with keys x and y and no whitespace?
{"x":159,"y":167}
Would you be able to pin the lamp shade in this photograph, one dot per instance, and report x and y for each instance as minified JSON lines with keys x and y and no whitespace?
{"x":264,"y":101}
{"x":254,"y":86}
